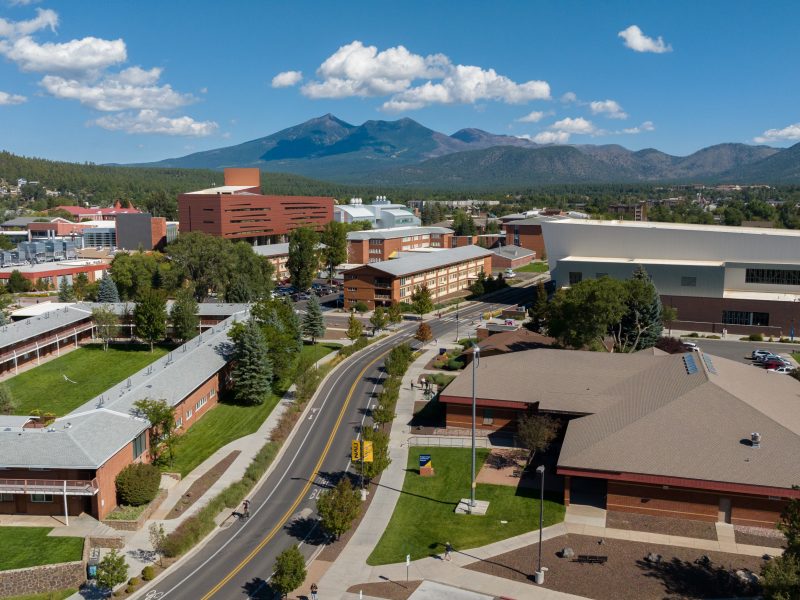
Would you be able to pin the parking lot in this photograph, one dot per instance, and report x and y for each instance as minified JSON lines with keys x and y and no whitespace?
{"x":741,"y":351}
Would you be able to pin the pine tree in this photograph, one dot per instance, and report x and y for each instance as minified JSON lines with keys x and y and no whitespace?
{"x":641,"y":326}
{"x":538,"y":312}
{"x":150,"y":317}
{"x":107,"y":292}
{"x":65,"y":291}
{"x":313,"y":322}
{"x":184,"y":315}
{"x":354,"y":328}
{"x":252,"y":370}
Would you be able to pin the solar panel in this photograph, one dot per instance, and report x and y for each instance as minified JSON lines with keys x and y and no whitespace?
{"x":709,"y":365}
{"x":688,"y":362}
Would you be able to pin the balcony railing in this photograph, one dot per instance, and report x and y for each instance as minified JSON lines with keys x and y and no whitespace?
{"x":49,"y":486}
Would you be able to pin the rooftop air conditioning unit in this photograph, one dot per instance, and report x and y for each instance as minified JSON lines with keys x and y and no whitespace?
{"x":755,"y":440}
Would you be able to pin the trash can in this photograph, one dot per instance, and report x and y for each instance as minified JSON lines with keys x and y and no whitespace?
{"x":539,"y":577}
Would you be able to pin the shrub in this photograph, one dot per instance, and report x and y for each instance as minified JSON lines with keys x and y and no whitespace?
{"x":693,"y":334}
{"x":133,"y":581}
{"x":148,"y":573}
{"x":361,"y":306}
{"x":137,"y":484}
{"x":755,"y":337}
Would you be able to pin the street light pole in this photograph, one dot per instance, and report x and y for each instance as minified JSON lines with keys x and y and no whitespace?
{"x":476,"y":355}
{"x":456,"y":321}
{"x":540,"y":470}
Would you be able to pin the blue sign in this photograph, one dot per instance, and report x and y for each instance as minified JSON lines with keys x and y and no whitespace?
{"x":424,"y":460}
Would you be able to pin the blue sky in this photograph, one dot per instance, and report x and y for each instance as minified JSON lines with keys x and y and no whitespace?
{"x":139,"y":81}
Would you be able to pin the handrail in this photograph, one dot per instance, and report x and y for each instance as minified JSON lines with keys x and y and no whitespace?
{"x":54,"y":486}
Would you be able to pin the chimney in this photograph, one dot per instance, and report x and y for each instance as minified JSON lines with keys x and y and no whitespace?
{"x":755,"y":440}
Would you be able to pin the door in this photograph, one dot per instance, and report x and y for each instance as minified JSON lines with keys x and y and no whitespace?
{"x":724,"y":510}
{"x":21,"y":503}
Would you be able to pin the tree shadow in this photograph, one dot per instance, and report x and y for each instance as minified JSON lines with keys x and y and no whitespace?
{"x":258,"y":589}
{"x":307,"y":530}
{"x":698,"y":579}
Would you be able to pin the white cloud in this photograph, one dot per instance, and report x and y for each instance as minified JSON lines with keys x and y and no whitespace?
{"x":132,"y":88}
{"x":790,"y":132}
{"x":637,"y":41}
{"x":44,"y":19}
{"x":287,"y":79}
{"x":7,"y":99}
{"x":533,"y":117}
{"x":609,"y":108}
{"x":80,"y":58}
{"x":151,"y":121}
{"x":646,"y":126}
{"x":23,"y":2}
{"x":359,"y":70}
{"x":568,"y":97}
{"x":578,"y":125}
{"x":551,"y":137}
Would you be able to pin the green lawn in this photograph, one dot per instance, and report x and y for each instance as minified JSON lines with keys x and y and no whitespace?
{"x":94,"y":371}
{"x":796,"y":356}
{"x":228,"y":422}
{"x":533,"y":267}
{"x":22,"y":547}
{"x":424,"y":519}
{"x":58,"y":595}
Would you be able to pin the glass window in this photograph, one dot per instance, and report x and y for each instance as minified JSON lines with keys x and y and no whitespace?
{"x":772,"y":276}
{"x":139,"y":445}
{"x":688,"y":281}
{"x":743,"y":317}
{"x":6,"y":497}
{"x":488,"y":416}
{"x":41,"y":498}
{"x":575,"y":277}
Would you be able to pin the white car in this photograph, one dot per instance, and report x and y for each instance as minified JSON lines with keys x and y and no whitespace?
{"x":509,"y":273}
{"x":782,"y":370}
{"x":690,"y":345}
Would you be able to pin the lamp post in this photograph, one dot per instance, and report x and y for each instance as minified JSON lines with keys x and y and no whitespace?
{"x":539,"y":572}
{"x":456,"y":320}
{"x":476,"y":355}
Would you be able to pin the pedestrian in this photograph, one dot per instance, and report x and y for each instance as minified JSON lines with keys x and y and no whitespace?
{"x":313,"y":591}
{"x":412,"y":384}
{"x":436,"y":342}
{"x":447,"y":550}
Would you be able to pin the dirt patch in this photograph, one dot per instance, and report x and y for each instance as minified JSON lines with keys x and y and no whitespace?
{"x":665,"y":525}
{"x":392,"y":590}
{"x":201,"y":486}
{"x":754,"y":537}
{"x":627,"y":575}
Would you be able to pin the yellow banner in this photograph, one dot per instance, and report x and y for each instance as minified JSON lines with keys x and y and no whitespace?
{"x":356,"y":451}
{"x":368,"y":452}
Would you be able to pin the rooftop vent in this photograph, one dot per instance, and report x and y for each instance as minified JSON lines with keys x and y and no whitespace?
{"x":755,"y":440}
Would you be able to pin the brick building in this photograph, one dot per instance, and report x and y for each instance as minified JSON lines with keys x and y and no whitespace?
{"x":70,"y":465}
{"x":526,"y":233}
{"x":52,"y":273}
{"x":444,"y":272}
{"x":649,"y":433}
{"x":377,"y":245}
{"x":239,"y":211}
{"x":512,"y":257}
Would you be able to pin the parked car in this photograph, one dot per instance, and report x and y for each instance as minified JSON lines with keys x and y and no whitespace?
{"x":759,"y":352}
{"x":784,"y":370}
{"x":774,"y":363}
{"x":690,"y":346}
{"x":765,"y":357}
{"x":509,"y":273}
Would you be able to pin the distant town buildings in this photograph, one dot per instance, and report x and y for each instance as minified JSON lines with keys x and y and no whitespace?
{"x":239,"y":211}
{"x":381,"y":214}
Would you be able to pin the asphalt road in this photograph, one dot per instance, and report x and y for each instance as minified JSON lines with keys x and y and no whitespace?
{"x":740,"y":351}
{"x":238,"y":560}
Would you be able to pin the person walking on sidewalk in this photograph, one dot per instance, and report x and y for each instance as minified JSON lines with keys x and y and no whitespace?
{"x":447,"y":550}
{"x":313,"y":591}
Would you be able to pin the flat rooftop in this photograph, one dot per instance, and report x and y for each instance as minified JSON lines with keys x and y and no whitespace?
{"x":394,"y":233}
{"x":55,"y":266}
{"x":680,"y":226}
{"x":425,"y":261}
{"x":224,"y":189}
{"x":644,"y":261}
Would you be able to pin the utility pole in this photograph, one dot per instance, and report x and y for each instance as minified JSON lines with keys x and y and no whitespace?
{"x":475,"y":359}
{"x":539,"y":572}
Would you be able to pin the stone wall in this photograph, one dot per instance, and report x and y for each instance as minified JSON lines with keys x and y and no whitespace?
{"x":35,"y":580}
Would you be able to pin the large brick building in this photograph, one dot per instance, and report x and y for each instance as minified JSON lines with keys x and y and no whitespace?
{"x":239,"y":211}
{"x":526,"y":233}
{"x":377,"y":245}
{"x":70,"y":465}
{"x":649,"y":433}
{"x":445,"y":273}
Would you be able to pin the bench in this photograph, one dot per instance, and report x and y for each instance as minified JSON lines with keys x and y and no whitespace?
{"x":591,"y":559}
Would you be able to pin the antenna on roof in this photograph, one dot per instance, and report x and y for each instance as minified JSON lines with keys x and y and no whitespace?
{"x":755,"y":440}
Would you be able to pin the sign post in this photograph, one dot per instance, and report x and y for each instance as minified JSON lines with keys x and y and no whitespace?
{"x":408,"y":564}
{"x":426,"y":465}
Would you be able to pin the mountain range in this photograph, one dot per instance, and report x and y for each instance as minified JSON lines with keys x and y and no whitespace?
{"x":406,"y":153}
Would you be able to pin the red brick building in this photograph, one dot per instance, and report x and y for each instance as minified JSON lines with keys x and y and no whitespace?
{"x":239,"y":211}
{"x":70,"y":465}
{"x":377,"y":245}
{"x":512,"y":257}
{"x":526,"y":233}
{"x":53,"y":272}
{"x":653,"y":434}
{"x":445,"y":273}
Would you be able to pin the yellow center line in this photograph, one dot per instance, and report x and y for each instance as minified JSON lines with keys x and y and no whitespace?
{"x":304,"y":491}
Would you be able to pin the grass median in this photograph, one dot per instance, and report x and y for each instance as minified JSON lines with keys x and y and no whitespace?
{"x":532,"y":267}
{"x":424,"y":519}
{"x":22,"y":547}
{"x":64,"y":383}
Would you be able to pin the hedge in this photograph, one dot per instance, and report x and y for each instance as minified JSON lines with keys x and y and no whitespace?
{"x":137,"y":484}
